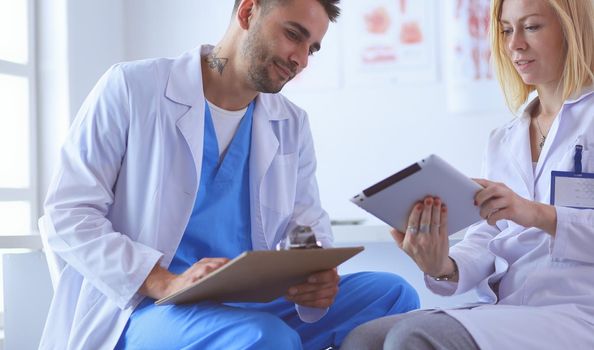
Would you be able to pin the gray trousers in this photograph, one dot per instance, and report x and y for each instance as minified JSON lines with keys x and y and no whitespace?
{"x":418,"y":330}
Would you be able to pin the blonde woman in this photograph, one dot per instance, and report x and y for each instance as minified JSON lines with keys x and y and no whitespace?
{"x":531,"y":263}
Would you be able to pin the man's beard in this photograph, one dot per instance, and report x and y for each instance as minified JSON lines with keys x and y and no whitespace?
{"x":260,"y":61}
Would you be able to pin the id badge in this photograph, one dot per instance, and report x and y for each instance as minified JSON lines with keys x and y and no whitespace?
{"x":569,"y":189}
{"x":573,"y":189}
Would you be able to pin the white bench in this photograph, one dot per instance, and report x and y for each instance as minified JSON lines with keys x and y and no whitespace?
{"x":27,"y":295}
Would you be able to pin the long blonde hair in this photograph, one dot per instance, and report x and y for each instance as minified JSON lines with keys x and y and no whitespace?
{"x":577,"y":20}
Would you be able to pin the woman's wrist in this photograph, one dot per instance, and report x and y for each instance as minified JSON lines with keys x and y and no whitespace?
{"x":546,"y":218}
{"x":450,"y":273}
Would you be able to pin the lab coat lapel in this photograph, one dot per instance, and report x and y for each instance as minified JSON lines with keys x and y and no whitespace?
{"x":517,"y":144}
{"x":189,"y":126}
{"x":264,"y":146}
{"x":185,"y":87}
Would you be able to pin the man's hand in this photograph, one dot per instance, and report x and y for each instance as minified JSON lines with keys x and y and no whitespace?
{"x":161,"y":283}
{"x":319,"y":291}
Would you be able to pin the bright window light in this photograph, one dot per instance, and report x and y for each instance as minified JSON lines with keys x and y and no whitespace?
{"x":14,"y":131}
{"x":13,"y":26}
{"x":15,"y":218}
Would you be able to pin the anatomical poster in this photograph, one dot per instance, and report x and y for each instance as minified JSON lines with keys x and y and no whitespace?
{"x":388,"y":41}
{"x":469,"y":76}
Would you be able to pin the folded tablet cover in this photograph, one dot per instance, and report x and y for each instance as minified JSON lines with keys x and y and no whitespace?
{"x":391,"y":199}
{"x":261,"y":276}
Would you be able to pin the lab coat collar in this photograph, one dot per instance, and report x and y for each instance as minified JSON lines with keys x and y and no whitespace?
{"x":576,"y":97}
{"x":184,"y":85}
{"x":580,"y":95}
{"x":272,"y":108}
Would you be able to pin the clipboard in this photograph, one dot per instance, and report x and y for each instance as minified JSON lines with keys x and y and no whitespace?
{"x":260,"y":276}
{"x":392,"y":199}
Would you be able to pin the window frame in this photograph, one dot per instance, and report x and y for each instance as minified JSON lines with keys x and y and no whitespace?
{"x":28,"y":70}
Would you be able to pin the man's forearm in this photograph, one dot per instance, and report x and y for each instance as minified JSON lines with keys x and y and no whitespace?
{"x":157,"y":282}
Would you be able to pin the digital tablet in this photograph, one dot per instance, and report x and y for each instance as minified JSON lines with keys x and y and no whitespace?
{"x":261,"y":276}
{"x":392,"y":199}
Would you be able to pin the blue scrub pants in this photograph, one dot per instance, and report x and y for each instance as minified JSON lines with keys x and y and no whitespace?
{"x":276,"y":325}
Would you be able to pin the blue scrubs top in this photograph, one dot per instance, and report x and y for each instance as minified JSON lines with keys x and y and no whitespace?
{"x":220,"y":222}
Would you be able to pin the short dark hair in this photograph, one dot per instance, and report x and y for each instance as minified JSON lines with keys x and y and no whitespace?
{"x":331,"y":6}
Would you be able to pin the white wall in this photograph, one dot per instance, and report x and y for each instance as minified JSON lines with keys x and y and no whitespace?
{"x":95,"y":42}
{"x":160,"y":28}
{"x":77,"y":41}
{"x":53,"y":94}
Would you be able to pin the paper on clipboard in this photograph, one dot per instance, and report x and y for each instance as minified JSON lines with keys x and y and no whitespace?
{"x":392,"y":199}
{"x":261,"y":276}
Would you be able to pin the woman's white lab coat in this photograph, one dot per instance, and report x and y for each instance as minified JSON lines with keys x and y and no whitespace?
{"x":543,"y":286}
{"x":126,"y":184}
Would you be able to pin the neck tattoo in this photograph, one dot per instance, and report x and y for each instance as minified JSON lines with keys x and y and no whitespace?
{"x":215,"y":62}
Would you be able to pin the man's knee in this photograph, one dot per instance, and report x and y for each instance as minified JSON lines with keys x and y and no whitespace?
{"x":405,"y":292}
{"x":393,"y":288}
{"x":270,"y":332}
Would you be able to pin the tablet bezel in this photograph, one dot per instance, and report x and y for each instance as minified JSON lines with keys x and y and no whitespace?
{"x":392,"y":198}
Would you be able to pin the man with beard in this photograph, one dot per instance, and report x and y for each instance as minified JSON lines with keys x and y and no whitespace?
{"x":174,"y":166}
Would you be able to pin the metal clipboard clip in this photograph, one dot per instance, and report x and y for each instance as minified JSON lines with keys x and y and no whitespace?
{"x":301,"y":237}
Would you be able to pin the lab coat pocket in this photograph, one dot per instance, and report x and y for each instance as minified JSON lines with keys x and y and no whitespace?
{"x":280,"y":183}
{"x":89,"y":297}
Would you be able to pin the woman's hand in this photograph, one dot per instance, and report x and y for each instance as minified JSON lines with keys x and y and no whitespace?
{"x":498,"y":202}
{"x":426,"y":237}
{"x":161,"y":283}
